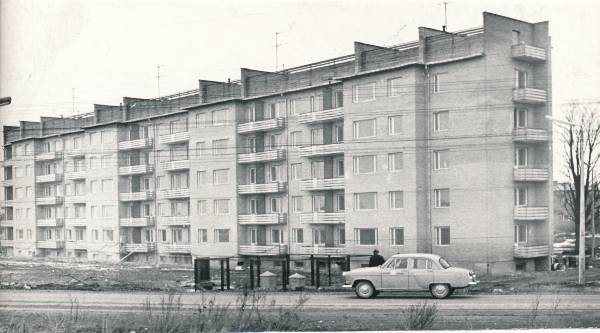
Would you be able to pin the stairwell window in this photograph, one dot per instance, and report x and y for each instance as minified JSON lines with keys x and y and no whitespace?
{"x":395,"y":125}
{"x":437,"y":82}
{"x":364,"y":129}
{"x":440,"y":121}
{"x":442,"y":197}
{"x":365,"y":236}
{"x":441,"y":159}
{"x":363,"y":92}
{"x":442,"y":236}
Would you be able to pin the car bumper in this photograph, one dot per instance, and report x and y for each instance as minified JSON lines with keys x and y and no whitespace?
{"x":347,"y":286}
{"x":473,"y":283}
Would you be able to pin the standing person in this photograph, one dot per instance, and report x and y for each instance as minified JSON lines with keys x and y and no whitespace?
{"x":376,"y":259}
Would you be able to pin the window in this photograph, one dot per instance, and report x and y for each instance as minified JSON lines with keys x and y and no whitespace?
{"x":219,"y":118}
{"x":200,"y":120}
{"x":365,"y":201}
{"x":107,"y":137}
{"x":202,"y":207}
{"x":162,"y":235}
{"x":220,"y":176}
{"x":521,"y":157}
{"x":440,"y":121}
{"x":202,"y":236}
{"x":516,"y":37}
{"x":104,"y":161}
{"x":297,"y":204}
{"x":339,"y":168}
{"x":107,"y":211}
{"x":338,"y":99}
{"x":317,"y":169}
{"x":342,"y":236}
{"x":95,"y":235}
{"x":520,"y":118}
{"x":179,"y":180}
{"x":251,"y":114}
{"x":108,"y":235}
{"x":395,"y":161}
{"x":396,"y":199}
{"x":95,"y":186}
{"x":397,"y":236}
{"x":437,"y":79}
{"x":338,"y":133}
{"x":221,"y":206}
{"x":252,"y":175}
{"x":440,"y":159}
{"x":365,"y":164}
{"x":274,"y":172}
{"x":275,"y":205}
{"x":395,"y":125}
{"x":364,"y":128}
{"x":273,"y":111}
{"x":295,"y":138}
{"x":276,"y":236}
{"x":219,"y":147}
{"x":296,"y":171}
{"x":521,"y":196}
{"x":251,"y":145}
{"x":200,"y":148}
{"x":180,"y":208}
{"x":316,"y":136}
{"x":29,"y":170}
{"x":252,"y":206}
{"x":521,"y":233}
{"x":221,"y":235}
{"x":178,"y":126}
{"x":363,"y":92}
{"x":319,"y":237}
{"x":298,"y":235}
{"x":318,"y":203}
{"x":201,"y":177}
{"x":395,"y":87}
{"x":442,"y":197}
{"x":162,"y":209}
{"x":520,"y":79}
{"x":365,"y":236}
{"x":442,"y":235}
{"x":107,"y":185}
{"x":339,"y":203}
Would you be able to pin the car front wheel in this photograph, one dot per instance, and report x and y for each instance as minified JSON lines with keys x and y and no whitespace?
{"x":440,"y":291}
{"x":364,"y":289}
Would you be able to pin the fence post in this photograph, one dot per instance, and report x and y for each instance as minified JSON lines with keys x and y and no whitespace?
{"x":228,"y":277}
{"x":196,"y":274}
{"x":222,"y":275}
{"x":329,"y":269}
{"x":284,"y":275}
{"x":318,"y":273}
{"x":312,"y":270}
{"x":287,"y":268}
{"x":347,"y":263}
{"x":258,"y":272}
{"x":251,"y":274}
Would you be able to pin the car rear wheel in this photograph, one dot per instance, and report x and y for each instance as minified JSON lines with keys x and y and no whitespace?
{"x":440,"y":291}
{"x":364,"y":289}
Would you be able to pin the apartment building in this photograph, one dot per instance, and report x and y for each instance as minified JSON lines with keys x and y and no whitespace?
{"x":439,"y":145}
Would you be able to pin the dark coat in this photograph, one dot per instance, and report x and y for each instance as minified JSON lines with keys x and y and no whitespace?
{"x":376,"y":260}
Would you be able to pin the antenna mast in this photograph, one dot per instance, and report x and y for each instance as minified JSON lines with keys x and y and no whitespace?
{"x":158,"y":80}
{"x":445,"y":15}
{"x":73,"y":96}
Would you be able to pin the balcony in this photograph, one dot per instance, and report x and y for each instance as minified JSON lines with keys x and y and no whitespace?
{"x":529,"y":96}
{"x":530,"y":213}
{"x":261,"y":125}
{"x":76,"y":199}
{"x":51,"y":244}
{"x":530,"y":175}
{"x":140,"y":247}
{"x":7,"y":223}
{"x":175,"y":248}
{"x":530,"y":251}
{"x":76,"y":222}
{"x":322,"y":150}
{"x":74,"y":175}
{"x":136,"y":196}
{"x":320,"y":184}
{"x":263,"y":250}
{"x":57,"y":222}
{"x":136,"y":144}
{"x":528,"y":53}
{"x":275,"y":187}
{"x":55,"y":200}
{"x":136,"y":169}
{"x":75,"y":152}
{"x":6,"y":182}
{"x":321,"y":116}
{"x":175,"y":220}
{"x":265,"y":156}
{"x":77,"y":245}
{"x":262,"y":219}
{"x":319,"y":249}
{"x":7,"y":242}
{"x":174,"y":138}
{"x":136,"y":221}
{"x":530,"y":135}
{"x":176,"y":193}
{"x":53,"y":177}
{"x":51,"y":155}
{"x":322,"y":218}
{"x":175,"y":165}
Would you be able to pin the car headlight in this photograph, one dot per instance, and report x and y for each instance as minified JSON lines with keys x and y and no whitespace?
{"x":472,"y":275}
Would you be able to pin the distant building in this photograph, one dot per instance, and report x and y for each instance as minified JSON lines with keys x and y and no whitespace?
{"x":438,"y":145}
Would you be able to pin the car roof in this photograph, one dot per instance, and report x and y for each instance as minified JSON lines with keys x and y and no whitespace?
{"x":420,"y":255}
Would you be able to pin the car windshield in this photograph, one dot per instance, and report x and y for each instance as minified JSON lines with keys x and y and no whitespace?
{"x":444,"y":263}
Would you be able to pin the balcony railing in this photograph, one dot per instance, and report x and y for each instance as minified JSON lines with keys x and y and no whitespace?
{"x":7,"y":242}
{"x":266,"y":250}
{"x":274,"y":187}
{"x":7,"y":182}
{"x":73,"y":175}
{"x":530,"y":213}
{"x":265,"y":156}
{"x":136,"y":196}
{"x":140,"y":247}
{"x":175,"y":220}
{"x":319,"y":184}
{"x":321,"y":150}
{"x":76,"y":199}
{"x":174,"y":138}
{"x":175,"y":248}
{"x":136,"y":169}
{"x":54,"y":200}
{"x":528,"y":53}
{"x":322,"y":218}
{"x":530,"y":251}
{"x":51,"y":155}
{"x":529,"y":96}
{"x":321,"y":116}
{"x":136,"y":144}
{"x":51,"y":244}
{"x":53,"y":177}
{"x":136,"y":221}
{"x":319,"y":249}
{"x":77,"y":222}
{"x":77,"y":245}
{"x":75,"y":152}
{"x":261,"y":125}
{"x":250,"y":219}
{"x":530,"y":175}
{"x":176,"y":193}
{"x":530,"y":135}
{"x":175,"y":165}
{"x":57,"y":222}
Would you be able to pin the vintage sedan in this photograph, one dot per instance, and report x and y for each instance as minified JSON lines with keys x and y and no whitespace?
{"x":410,"y":272}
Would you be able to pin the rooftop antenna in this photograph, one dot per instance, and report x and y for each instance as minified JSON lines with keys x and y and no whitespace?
{"x":445,"y":27}
{"x":277,"y":45}
{"x":158,"y":80}
{"x":73,"y":96}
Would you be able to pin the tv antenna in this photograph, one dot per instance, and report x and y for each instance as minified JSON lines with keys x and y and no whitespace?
{"x":445,"y":27}
{"x":277,"y":44}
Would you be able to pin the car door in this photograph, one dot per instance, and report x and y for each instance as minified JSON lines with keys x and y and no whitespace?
{"x":420,"y":274}
{"x":395,"y":275}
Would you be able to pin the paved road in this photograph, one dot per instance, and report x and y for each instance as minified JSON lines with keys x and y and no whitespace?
{"x":111,"y":302}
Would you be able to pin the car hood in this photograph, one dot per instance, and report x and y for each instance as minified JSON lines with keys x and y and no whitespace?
{"x":364,"y":270}
{"x":457,"y":269}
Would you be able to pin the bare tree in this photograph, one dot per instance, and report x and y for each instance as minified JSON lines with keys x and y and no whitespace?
{"x":584,"y":138}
